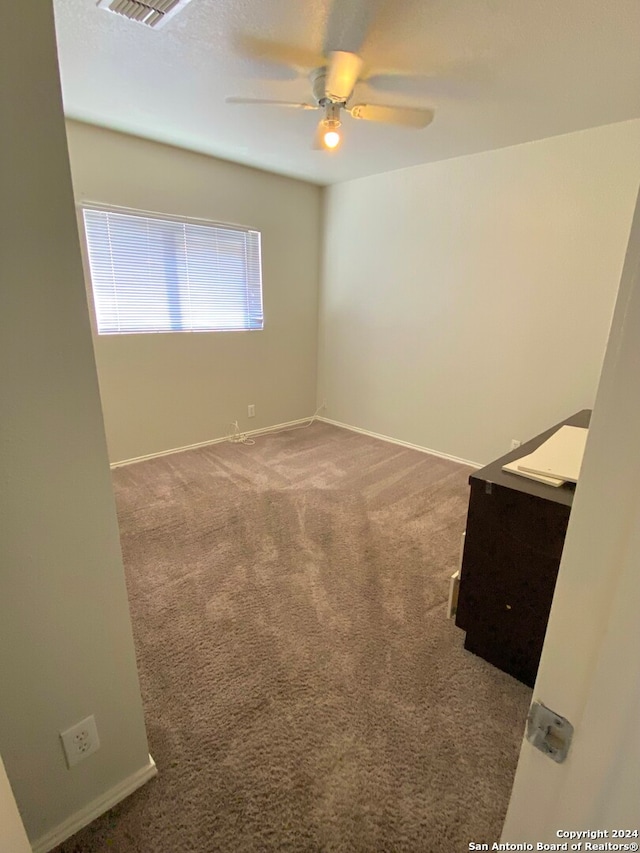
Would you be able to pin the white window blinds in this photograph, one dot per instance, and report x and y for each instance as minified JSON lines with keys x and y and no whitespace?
{"x":155,"y":274}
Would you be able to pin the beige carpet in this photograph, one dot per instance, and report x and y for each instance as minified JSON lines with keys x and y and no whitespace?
{"x":303,"y":690}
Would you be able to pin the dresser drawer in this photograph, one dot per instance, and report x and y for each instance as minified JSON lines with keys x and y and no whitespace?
{"x":510,"y":562}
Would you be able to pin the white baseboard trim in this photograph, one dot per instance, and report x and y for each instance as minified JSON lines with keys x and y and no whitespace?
{"x":248,"y":434}
{"x":401,"y":443}
{"x":289,"y":425}
{"x":95,"y":808}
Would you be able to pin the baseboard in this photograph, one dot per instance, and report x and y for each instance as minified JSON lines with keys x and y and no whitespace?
{"x":94,"y":809}
{"x":249,"y":434}
{"x":402,"y":443}
{"x":288,"y":425}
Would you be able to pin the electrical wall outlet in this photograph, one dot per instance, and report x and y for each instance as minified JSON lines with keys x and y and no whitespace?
{"x":515,"y":443}
{"x":80,"y":741}
{"x":251,"y":410}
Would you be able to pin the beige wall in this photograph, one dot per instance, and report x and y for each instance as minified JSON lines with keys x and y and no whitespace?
{"x":468,"y":302}
{"x":171,"y":390}
{"x":66,"y":649}
{"x":13,"y":838}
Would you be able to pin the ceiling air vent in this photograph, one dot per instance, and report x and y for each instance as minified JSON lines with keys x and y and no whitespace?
{"x":152,"y":13}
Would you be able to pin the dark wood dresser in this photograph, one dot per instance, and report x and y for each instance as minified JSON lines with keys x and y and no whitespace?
{"x":513,"y":544}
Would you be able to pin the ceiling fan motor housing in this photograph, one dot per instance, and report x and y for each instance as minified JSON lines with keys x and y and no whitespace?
{"x":318,"y":79}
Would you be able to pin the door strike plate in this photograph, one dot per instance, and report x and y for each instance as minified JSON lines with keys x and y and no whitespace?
{"x":549,"y":732}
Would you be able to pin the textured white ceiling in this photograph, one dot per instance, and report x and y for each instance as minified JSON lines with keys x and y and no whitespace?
{"x":497,"y":72}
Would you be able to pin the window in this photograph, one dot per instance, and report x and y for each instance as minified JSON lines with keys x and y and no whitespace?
{"x":167,"y":274}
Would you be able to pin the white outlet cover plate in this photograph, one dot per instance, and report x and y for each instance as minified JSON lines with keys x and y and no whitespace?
{"x":80,"y":741}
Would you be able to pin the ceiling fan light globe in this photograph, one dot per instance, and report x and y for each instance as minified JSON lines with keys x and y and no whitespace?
{"x":331,"y":139}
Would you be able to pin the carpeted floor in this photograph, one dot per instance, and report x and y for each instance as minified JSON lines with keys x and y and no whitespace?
{"x":303,"y":690}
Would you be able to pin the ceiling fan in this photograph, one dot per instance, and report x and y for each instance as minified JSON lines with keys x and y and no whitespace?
{"x":332,"y":88}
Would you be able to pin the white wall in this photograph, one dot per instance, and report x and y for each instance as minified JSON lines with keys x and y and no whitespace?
{"x":590,"y":669}
{"x":66,"y":648}
{"x":468,"y":302}
{"x":171,"y":390}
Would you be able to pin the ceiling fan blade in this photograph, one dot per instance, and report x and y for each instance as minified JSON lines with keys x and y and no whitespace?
{"x":290,"y":104}
{"x":406,"y":116}
{"x":298,"y":58}
{"x":342,"y":75}
{"x":348,"y":24}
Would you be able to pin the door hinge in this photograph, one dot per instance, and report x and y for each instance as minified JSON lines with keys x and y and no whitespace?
{"x":549,"y":732}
